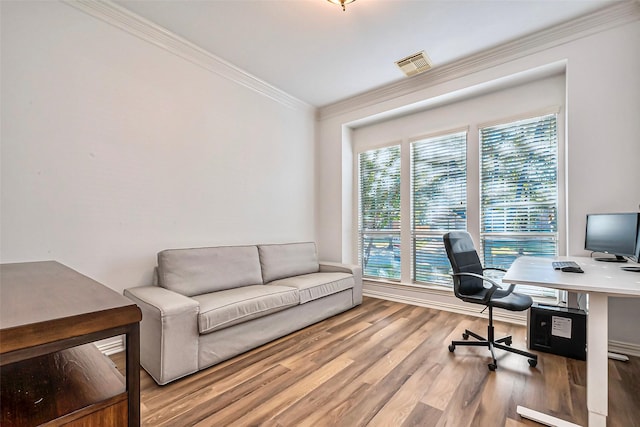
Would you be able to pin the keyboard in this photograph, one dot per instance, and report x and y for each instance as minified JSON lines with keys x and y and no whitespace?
{"x":567,"y":266}
{"x":559,"y":265}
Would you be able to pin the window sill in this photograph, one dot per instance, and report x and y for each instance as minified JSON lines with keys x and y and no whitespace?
{"x":429,"y":289}
{"x":440,"y":298}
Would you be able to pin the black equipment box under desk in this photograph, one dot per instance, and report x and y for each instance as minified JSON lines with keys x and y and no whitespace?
{"x":558,"y":330}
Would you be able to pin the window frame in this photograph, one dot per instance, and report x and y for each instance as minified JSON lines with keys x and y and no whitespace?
{"x":439,"y":232}
{"x":560,"y":173}
{"x":473,"y":187}
{"x":359,"y":230}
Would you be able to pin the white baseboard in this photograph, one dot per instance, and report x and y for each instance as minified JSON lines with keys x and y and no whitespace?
{"x":626,"y":348}
{"x":115,"y":345}
{"x":508,"y":317}
{"x":111,"y":345}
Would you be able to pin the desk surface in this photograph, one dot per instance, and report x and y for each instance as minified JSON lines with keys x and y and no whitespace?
{"x":598,"y":276}
{"x":43,"y":302}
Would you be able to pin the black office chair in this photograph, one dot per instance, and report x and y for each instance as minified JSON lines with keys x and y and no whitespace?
{"x":468,"y":285}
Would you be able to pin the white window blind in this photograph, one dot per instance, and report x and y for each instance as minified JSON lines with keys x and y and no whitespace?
{"x":379,"y":213}
{"x":519,"y":193}
{"x":439,"y":186}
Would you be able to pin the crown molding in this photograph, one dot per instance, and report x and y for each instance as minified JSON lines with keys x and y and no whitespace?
{"x":601,"y":20}
{"x":146,"y":30}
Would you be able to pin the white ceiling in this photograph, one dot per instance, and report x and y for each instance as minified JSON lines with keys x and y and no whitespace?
{"x":319,"y":54}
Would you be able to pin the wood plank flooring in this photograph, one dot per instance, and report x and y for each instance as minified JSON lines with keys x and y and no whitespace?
{"x":385,"y":364}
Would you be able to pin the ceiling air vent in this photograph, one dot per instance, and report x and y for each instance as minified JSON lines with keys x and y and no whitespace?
{"x":414,"y":64}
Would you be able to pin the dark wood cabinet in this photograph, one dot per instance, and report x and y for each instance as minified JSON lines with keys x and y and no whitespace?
{"x":52,"y":373}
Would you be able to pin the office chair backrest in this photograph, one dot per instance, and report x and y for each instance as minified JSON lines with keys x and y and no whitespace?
{"x":464,"y":259}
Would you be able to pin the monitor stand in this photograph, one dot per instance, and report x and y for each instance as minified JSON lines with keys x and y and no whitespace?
{"x":617,"y":258}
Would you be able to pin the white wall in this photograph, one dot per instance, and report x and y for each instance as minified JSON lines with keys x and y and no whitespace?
{"x":114,"y":149}
{"x":494,"y":105}
{"x":603,"y":142}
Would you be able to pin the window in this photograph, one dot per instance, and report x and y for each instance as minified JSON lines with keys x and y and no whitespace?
{"x":519,"y":192}
{"x":501,"y":183}
{"x":379,"y":213}
{"x":439,"y":187}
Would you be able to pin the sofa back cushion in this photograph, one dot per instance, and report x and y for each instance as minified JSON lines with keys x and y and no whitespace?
{"x":201,"y":270}
{"x":286,"y":260}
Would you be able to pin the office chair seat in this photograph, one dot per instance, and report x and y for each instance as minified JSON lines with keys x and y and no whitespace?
{"x":512,"y":301}
{"x":469,"y":286}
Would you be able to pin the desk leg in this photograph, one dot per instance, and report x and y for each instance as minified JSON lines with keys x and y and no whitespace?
{"x":133,"y":374}
{"x":597,"y":364}
{"x":542,"y":418}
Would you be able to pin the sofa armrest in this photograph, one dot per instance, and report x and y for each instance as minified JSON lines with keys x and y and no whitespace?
{"x":356,"y":270}
{"x":168,"y":332}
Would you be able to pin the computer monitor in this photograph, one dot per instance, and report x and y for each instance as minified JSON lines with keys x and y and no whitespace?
{"x":613,"y":233}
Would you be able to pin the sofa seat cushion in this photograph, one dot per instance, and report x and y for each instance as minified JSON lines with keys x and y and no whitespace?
{"x":222,"y":309}
{"x":317,"y":285}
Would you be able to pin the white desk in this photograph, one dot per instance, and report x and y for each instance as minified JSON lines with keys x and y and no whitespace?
{"x":599,"y":280}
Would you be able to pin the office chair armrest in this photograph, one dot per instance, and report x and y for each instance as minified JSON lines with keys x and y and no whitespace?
{"x":511,"y":286}
{"x":494,"y":285}
{"x":494,"y":268}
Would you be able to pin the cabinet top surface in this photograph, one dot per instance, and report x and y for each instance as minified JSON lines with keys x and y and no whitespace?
{"x":47,"y":291}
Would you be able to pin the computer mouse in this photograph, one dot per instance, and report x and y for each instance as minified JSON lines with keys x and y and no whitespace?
{"x":572,"y":270}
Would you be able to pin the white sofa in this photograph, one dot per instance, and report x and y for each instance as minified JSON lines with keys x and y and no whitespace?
{"x":210,"y":304}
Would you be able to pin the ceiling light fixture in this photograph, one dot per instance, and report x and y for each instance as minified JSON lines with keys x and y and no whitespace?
{"x":341,"y":3}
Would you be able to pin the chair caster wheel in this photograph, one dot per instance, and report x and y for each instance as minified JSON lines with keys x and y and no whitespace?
{"x":465,"y":336}
{"x":508,"y":342}
{"x":492,"y":366}
{"x":532,"y":362}
{"x":452,"y":347}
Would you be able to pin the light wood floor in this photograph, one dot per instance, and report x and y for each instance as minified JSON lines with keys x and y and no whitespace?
{"x":385,"y":364}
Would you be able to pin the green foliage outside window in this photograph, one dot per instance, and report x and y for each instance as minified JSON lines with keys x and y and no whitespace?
{"x":380,"y":212}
